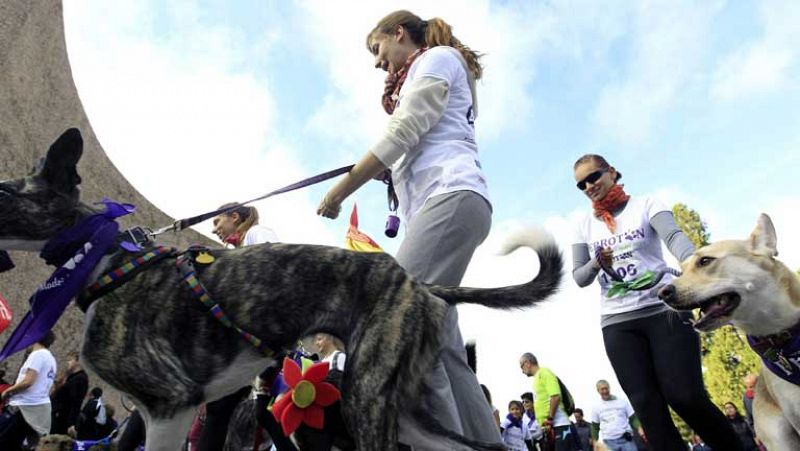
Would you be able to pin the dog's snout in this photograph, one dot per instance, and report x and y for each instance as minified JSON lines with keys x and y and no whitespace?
{"x":667,"y":293}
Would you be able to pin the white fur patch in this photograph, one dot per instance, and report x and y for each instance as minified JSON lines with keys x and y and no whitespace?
{"x":239,"y":373}
{"x":533,"y":237}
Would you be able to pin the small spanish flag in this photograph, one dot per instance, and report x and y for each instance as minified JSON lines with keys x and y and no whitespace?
{"x":357,"y":240}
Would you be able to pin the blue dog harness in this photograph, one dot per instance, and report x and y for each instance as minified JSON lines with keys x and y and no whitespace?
{"x":780,"y":352}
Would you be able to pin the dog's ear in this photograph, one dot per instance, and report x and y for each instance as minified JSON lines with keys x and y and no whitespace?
{"x":59,"y":168}
{"x":763,"y":240}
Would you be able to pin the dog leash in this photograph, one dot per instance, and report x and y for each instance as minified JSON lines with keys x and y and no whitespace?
{"x":182,"y":224}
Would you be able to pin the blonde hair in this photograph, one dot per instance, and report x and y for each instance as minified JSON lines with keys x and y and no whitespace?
{"x":248,"y":217}
{"x":430,"y":33}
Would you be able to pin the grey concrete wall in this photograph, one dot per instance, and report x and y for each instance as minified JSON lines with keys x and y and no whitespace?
{"x":38,"y":100}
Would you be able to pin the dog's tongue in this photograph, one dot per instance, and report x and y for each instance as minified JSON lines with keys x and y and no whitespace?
{"x":5,"y":262}
{"x":710,"y":313}
{"x":716,"y":307}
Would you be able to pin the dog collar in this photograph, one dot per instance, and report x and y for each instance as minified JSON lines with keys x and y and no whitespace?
{"x":780,"y":352}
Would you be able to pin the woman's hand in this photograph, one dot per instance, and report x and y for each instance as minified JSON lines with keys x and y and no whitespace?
{"x":362,"y":172}
{"x":384,"y":176}
{"x":605,"y":257}
{"x":329,"y":207}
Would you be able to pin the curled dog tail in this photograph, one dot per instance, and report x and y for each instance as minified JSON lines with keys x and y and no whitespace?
{"x":542,"y":286}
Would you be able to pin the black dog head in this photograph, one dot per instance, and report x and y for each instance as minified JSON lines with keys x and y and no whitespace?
{"x":35,"y":207}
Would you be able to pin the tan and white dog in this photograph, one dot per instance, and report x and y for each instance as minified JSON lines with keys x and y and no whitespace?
{"x":740,"y":282}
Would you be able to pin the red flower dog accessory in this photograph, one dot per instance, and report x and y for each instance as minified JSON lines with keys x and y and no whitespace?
{"x":307,"y":396}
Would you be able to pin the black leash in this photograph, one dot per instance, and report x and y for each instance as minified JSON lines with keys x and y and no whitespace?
{"x":182,"y":224}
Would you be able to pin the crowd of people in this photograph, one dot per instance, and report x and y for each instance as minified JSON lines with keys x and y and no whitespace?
{"x":540,"y":420}
{"x":430,"y":154}
{"x":43,"y":401}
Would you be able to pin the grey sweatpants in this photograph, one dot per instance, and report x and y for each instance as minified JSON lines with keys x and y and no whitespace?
{"x":439,"y":243}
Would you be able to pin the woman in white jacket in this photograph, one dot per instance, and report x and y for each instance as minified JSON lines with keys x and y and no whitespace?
{"x":429,"y":145}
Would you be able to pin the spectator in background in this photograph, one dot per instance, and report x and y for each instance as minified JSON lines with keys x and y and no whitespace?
{"x":495,"y":411}
{"x":515,"y":435}
{"x":93,"y":417}
{"x":3,"y":386}
{"x":29,"y":398}
{"x":67,"y":398}
{"x":747,"y":398}
{"x":741,"y":427}
{"x":329,"y":349}
{"x":615,"y":419}
{"x":698,"y":444}
{"x":111,"y":422}
{"x":584,"y":430}
{"x":529,"y":420}
{"x":547,"y":404}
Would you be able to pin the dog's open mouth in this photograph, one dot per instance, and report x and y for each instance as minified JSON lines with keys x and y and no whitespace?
{"x":716,"y":311}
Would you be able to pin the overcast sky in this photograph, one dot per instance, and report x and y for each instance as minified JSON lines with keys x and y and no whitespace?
{"x":694,"y":102}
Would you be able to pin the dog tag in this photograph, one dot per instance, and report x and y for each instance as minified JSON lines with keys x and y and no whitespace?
{"x":784,"y":363}
{"x":204,"y":258}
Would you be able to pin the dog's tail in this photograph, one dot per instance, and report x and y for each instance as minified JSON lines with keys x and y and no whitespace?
{"x":543,"y":285}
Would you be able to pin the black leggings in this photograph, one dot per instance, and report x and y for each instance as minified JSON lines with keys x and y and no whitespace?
{"x":657,"y":362}
{"x":267,"y":421}
{"x":218,"y":415}
{"x":16,"y":429}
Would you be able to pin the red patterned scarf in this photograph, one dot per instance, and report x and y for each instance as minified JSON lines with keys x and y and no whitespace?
{"x":604,"y":208}
{"x":394,"y":81}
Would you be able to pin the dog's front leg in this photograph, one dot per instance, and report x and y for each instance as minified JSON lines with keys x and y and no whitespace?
{"x":774,"y":406}
{"x":168,"y":434}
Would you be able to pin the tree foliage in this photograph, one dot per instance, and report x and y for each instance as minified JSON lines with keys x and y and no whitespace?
{"x":691,"y":224}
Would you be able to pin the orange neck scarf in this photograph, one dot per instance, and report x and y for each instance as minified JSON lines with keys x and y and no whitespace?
{"x":604,"y":208}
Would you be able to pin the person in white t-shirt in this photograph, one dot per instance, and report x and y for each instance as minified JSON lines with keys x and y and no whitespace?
{"x":239,"y":227}
{"x":529,"y":418}
{"x":330,"y":349}
{"x":429,"y":145}
{"x":29,"y":397}
{"x":613,"y":420}
{"x":655,"y":353}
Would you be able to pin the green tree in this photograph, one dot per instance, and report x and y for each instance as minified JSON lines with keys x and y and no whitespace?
{"x":726,"y":356}
{"x":691,"y":224}
{"x":727,"y":362}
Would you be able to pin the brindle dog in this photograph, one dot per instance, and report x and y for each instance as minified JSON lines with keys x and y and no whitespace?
{"x":153,"y":341}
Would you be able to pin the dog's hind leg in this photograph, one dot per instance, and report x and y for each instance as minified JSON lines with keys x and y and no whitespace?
{"x":370,"y":414}
{"x":168,"y":434}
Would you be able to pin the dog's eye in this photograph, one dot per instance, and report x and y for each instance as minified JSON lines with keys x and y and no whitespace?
{"x":704,"y":261}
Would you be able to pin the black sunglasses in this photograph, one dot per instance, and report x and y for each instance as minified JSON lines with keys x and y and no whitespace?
{"x":591,"y":178}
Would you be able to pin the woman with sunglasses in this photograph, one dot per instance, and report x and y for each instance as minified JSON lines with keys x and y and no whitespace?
{"x":655,"y":353}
